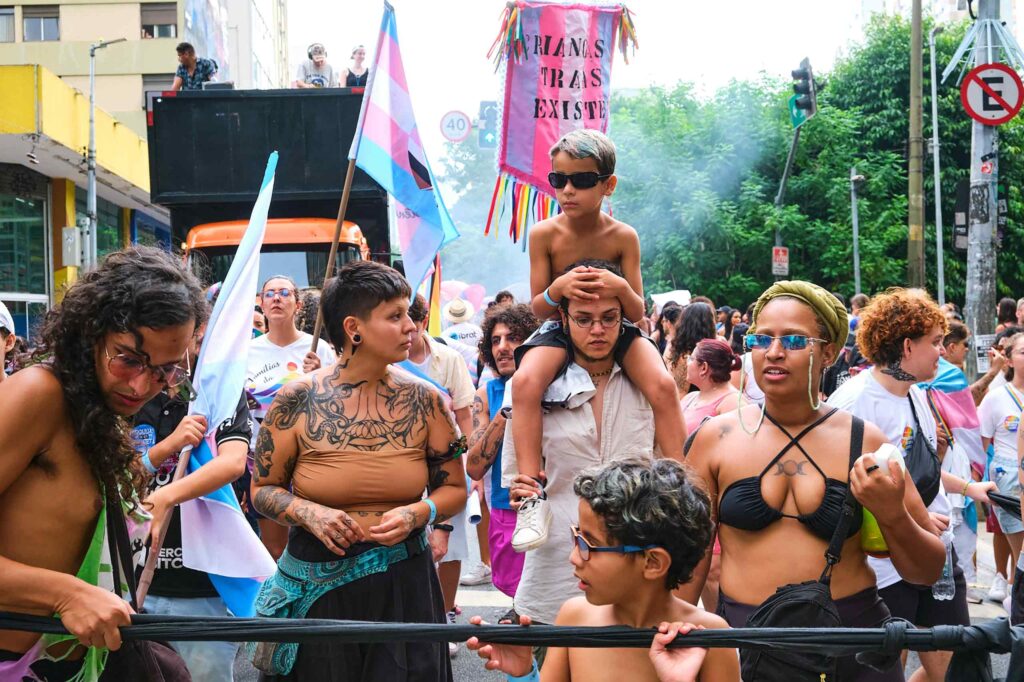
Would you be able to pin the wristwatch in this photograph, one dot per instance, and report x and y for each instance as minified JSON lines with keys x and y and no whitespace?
{"x":444,"y":527}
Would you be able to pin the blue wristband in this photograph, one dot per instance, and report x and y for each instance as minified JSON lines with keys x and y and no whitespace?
{"x":147,"y":462}
{"x":532,"y":676}
{"x":433,"y":510}
{"x":551,"y":302}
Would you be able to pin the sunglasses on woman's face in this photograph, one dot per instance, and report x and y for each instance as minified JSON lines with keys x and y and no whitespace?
{"x":127,"y":367}
{"x":283,"y":292}
{"x":789,"y":341}
{"x":578,"y":180}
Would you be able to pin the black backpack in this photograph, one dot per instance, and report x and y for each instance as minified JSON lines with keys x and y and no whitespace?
{"x":803,"y":605}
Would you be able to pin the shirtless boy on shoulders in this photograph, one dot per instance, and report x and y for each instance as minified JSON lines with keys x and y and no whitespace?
{"x":583,"y":174}
{"x":118,"y":338}
{"x":627,"y":568}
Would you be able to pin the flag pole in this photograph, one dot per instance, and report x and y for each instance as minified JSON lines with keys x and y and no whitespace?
{"x":146,"y":579}
{"x":334,"y":247}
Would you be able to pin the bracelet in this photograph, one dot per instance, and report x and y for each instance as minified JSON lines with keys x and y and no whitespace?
{"x":966,"y":486}
{"x":551,"y":302}
{"x":532,"y":676}
{"x":147,"y":462}
{"x":433,"y":510}
{"x":446,"y":527}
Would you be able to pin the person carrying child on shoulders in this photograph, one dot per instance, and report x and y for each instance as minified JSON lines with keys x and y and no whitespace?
{"x":583,"y":174}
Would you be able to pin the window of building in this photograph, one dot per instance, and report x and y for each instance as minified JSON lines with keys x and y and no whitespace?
{"x":41,"y":22}
{"x":109,"y":227}
{"x":22,"y":244}
{"x":159,"y":20}
{"x":6,"y":24}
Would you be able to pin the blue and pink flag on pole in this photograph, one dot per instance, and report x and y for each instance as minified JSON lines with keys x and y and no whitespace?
{"x":388,"y":148}
{"x":215,"y":536}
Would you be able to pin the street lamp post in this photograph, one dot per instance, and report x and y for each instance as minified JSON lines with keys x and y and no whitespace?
{"x":854,"y":181}
{"x":940,"y":283}
{"x":90,"y":159}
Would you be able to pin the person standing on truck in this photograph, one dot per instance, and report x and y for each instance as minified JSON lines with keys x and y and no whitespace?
{"x":276,"y":358}
{"x":357,"y":74}
{"x":192,"y":71}
{"x":315,"y":72}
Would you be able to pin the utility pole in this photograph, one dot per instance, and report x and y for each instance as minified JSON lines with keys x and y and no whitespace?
{"x":940,"y":269}
{"x":90,"y":155}
{"x":915,"y":190}
{"x":855,"y":180}
{"x":981,"y":231}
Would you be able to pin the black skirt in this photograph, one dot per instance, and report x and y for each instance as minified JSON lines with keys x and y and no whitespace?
{"x":408,"y":592}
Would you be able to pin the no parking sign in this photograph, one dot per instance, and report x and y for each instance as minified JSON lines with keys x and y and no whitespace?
{"x":992,"y":93}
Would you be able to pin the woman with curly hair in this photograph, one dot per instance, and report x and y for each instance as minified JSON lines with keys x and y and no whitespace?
{"x":697,"y":322}
{"x":779,"y":476}
{"x":118,"y":338}
{"x":901,"y":333}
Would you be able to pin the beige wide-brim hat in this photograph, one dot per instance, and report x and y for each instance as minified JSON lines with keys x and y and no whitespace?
{"x":458,"y":311}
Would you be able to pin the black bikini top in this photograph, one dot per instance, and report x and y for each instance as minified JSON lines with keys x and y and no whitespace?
{"x":742,"y":506}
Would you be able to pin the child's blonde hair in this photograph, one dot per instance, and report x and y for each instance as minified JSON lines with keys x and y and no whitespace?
{"x":586,"y":143}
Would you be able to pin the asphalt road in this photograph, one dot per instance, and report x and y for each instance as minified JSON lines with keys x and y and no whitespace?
{"x":488,"y":602}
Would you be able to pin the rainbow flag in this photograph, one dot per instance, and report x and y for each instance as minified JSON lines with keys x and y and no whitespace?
{"x":387,"y":147}
{"x":215,"y":536}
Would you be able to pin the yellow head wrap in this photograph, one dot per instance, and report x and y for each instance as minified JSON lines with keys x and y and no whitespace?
{"x":826,"y":306}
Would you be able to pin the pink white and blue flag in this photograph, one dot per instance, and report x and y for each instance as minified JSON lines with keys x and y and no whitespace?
{"x":388,"y":148}
{"x":215,"y":536}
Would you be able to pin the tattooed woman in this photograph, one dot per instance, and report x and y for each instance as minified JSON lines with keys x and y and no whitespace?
{"x":343,"y":457}
{"x":783,"y":498}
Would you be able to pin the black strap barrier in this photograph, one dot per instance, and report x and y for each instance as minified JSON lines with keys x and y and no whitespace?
{"x":878,"y":647}
{"x":1008,"y":503}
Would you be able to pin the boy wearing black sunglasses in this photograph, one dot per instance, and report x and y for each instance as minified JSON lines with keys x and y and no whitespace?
{"x":583,"y":175}
{"x":643,"y":528}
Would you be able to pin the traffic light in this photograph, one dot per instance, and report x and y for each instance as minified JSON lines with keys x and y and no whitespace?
{"x":488,"y":137}
{"x":805,"y":101}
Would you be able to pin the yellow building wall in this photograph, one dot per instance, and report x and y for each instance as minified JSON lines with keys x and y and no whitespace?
{"x":65,"y":118}
{"x":86,"y":23}
{"x":17,"y":106}
{"x":113,"y":93}
{"x":62,"y":214}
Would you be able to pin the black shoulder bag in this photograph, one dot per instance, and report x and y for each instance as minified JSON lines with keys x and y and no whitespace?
{"x":136,"y":659}
{"x":803,"y":605}
{"x":923,"y":462}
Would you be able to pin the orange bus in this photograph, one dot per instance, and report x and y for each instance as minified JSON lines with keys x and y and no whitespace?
{"x":297,"y":247}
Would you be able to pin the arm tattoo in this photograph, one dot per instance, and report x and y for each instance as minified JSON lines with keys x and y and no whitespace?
{"x":478,"y":408}
{"x":264,"y":453}
{"x":272,"y":502}
{"x":490,"y":443}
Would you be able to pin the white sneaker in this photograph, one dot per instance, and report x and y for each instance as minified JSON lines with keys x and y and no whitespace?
{"x":453,"y":647}
{"x":1007,"y":603}
{"x":481,"y":575}
{"x":997,"y":592}
{"x":532,"y":523}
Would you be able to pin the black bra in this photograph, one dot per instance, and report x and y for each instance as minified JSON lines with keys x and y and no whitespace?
{"x":742,"y":506}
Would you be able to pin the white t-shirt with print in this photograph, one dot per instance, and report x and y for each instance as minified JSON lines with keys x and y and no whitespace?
{"x":272,"y":366}
{"x":864,"y":397}
{"x":1000,"y":419}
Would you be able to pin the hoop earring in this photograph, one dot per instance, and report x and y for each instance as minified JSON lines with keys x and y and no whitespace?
{"x":739,"y":405}
{"x":810,"y":382}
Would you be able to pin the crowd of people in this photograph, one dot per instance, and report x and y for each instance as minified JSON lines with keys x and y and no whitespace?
{"x":618,"y":465}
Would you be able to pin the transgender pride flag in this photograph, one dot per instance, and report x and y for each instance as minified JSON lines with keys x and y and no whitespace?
{"x":387,"y":147}
{"x":215,"y":537}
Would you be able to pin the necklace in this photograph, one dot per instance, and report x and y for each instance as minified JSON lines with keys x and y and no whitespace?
{"x":596,"y":375}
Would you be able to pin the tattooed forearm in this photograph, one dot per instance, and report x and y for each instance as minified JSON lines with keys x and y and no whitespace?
{"x":264,"y":453}
{"x":485,"y":450}
{"x":273,"y":502}
{"x":477,"y":412}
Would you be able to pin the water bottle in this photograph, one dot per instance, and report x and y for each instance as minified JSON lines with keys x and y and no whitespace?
{"x":944,"y":588}
{"x":871,"y":539}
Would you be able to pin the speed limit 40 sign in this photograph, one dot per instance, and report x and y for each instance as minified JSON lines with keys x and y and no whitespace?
{"x":456,"y":126}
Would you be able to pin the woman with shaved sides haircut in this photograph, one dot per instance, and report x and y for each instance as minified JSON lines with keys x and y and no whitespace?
{"x":778,"y":476}
{"x":344,"y":457}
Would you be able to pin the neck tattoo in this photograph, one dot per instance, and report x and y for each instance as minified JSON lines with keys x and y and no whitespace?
{"x":597,"y":375}
{"x":898,"y":373}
